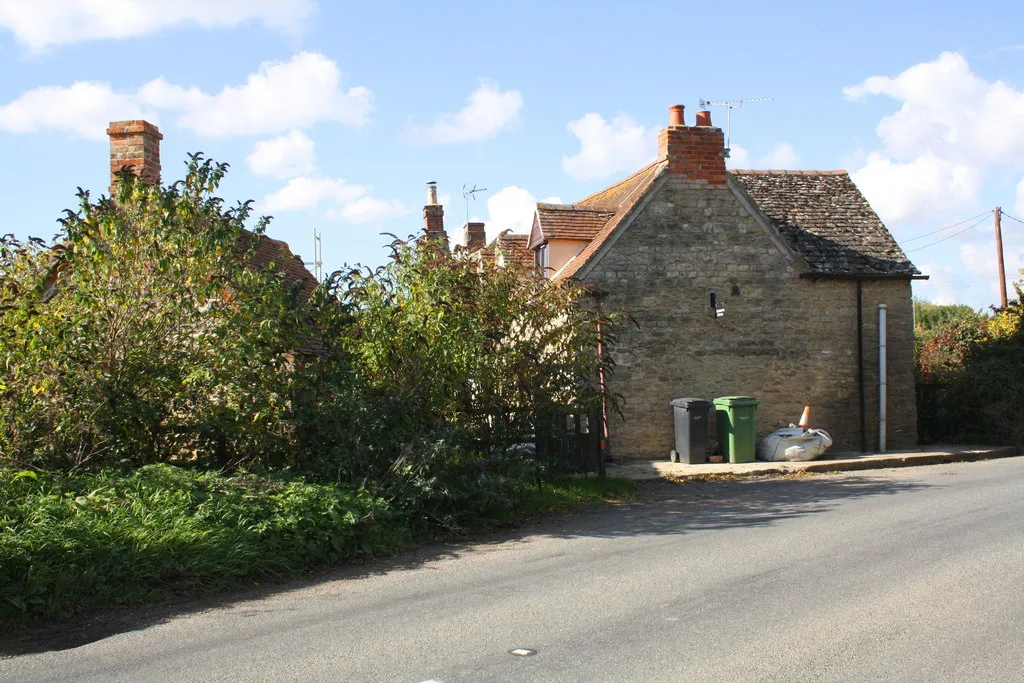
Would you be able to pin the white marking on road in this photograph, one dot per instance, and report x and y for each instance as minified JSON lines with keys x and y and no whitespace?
{"x":523,"y":652}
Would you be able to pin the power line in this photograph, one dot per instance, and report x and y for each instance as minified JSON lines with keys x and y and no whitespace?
{"x":1012,"y":218}
{"x":986,"y":213}
{"x":959,"y":232}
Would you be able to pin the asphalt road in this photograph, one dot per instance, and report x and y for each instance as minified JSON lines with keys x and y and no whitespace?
{"x":912,"y":574}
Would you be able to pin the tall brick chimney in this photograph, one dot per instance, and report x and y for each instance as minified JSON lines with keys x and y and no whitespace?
{"x":474,"y":236}
{"x":135,"y":144}
{"x":433,"y":215}
{"x":696,"y":154}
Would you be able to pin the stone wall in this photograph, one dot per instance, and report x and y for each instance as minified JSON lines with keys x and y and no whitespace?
{"x":788,"y":341}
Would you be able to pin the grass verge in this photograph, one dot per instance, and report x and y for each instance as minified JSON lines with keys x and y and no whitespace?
{"x":71,"y":544}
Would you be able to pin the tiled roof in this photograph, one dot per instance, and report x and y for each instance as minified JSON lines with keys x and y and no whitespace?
{"x":571,"y":222}
{"x":513,"y":248}
{"x":275,"y":253}
{"x":826,"y":220}
{"x":621,"y":198}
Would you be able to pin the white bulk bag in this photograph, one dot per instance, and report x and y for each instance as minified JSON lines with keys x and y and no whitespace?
{"x":793,"y":444}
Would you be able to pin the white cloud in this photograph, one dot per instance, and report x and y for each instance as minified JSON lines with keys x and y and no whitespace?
{"x":370,"y":210}
{"x":43,"y":23}
{"x":950,"y":111}
{"x":488,"y":111}
{"x":83,"y":110}
{"x":1019,"y":206}
{"x":952,"y":128}
{"x":290,"y":155}
{"x":782,"y":156}
{"x":607,"y":148}
{"x":280,"y":96}
{"x":510,"y":208}
{"x":926,"y":187}
{"x":306,"y":192}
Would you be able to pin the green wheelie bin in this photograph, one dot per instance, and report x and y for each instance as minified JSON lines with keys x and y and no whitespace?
{"x":737,"y":427}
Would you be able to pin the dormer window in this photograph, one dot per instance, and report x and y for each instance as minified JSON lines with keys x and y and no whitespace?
{"x":542,"y":258}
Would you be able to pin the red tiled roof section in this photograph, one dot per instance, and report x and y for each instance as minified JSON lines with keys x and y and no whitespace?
{"x":612,"y":197}
{"x":622,"y":197}
{"x":514,"y":250}
{"x":275,"y":253}
{"x":571,"y":222}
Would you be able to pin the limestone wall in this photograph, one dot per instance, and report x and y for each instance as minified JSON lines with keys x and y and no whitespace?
{"x":788,"y":341}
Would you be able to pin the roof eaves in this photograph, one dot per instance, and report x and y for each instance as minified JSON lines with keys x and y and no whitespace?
{"x":584,"y":262}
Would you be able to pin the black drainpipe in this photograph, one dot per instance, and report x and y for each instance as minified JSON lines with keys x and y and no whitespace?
{"x":860,"y":367}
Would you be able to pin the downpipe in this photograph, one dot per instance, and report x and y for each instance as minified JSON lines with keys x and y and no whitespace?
{"x":882,"y":381}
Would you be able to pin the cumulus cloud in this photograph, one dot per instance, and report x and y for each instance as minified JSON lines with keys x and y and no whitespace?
{"x":279,"y":96}
{"x":40,"y":24}
{"x":488,"y":111}
{"x":512,"y":208}
{"x":372,"y":210}
{"x":82,"y":110}
{"x":952,"y":128}
{"x":306,"y":192}
{"x":290,"y":155}
{"x":926,"y":186}
{"x":782,"y":156}
{"x":609,"y":147}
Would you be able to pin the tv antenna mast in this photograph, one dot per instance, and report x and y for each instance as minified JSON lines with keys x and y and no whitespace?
{"x":731,"y":104}
{"x":318,"y":256}
{"x":468,"y":193}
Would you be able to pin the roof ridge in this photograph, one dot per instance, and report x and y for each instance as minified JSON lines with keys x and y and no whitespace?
{"x":575,"y":207}
{"x":621,"y":182}
{"x":783,"y":171}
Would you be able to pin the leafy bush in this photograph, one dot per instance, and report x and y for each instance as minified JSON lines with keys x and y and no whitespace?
{"x":145,"y":334}
{"x":68,"y":543}
{"x":972,"y":369}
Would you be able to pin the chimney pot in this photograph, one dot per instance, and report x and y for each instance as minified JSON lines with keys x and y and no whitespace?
{"x":431,"y":193}
{"x":675,"y":115}
{"x":704,"y":118}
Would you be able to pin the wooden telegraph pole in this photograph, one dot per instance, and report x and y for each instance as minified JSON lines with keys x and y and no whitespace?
{"x":999,"y":257}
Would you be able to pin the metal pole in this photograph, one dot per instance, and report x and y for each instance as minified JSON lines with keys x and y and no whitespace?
{"x":860,"y":368}
{"x":999,"y":257}
{"x":881,"y":377}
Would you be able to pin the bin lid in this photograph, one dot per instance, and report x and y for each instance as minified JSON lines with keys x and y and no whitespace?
{"x":690,"y":403}
{"x":736,"y":401}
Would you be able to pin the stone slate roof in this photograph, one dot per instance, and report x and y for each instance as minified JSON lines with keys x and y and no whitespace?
{"x":570,"y":221}
{"x":827,"y":221}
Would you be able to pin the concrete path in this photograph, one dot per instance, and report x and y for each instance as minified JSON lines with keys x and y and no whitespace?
{"x":832,"y":462}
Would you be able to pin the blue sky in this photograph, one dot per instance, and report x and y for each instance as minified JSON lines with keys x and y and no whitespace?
{"x":333,"y":115}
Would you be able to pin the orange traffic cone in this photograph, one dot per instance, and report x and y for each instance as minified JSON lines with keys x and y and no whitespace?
{"x":805,"y":419}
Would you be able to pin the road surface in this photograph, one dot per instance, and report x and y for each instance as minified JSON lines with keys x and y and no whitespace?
{"x":911,"y":574}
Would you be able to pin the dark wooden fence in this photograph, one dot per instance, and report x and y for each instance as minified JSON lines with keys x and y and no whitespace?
{"x":571,"y":441}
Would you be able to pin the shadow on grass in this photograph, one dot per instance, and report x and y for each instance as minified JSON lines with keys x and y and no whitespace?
{"x":660,"y":508}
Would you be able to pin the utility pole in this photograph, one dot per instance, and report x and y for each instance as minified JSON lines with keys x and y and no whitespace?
{"x":999,"y":256}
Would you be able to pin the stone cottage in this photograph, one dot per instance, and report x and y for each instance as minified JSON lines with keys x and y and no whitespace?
{"x":762,"y":283}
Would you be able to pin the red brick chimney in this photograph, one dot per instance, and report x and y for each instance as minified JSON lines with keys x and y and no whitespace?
{"x":433,"y":215}
{"x":474,"y":236}
{"x":135,"y":144}
{"x":696,"y":154}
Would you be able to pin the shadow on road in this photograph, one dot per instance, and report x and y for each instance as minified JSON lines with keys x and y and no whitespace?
{"x":660,"y":508}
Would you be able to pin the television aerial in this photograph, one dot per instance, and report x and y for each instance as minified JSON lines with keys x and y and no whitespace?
{"x":730,"y":104}
{"x":468,"y":193}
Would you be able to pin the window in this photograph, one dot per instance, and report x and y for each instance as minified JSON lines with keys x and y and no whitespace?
{"x":542,"y":258}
